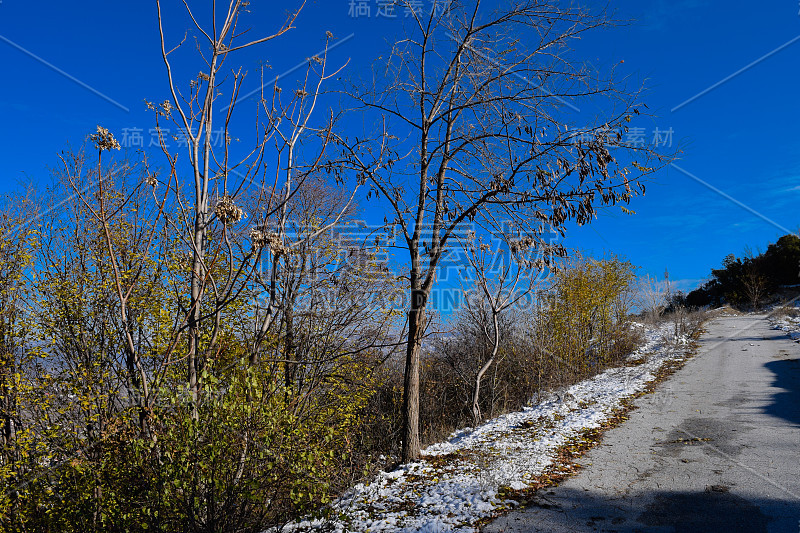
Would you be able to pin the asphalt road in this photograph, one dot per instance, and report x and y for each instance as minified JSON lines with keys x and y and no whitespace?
{"x":715,"y":449}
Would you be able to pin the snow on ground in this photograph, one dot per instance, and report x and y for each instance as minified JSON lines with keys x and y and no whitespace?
{"x":788,"y":322}
{"x":473,"y":475}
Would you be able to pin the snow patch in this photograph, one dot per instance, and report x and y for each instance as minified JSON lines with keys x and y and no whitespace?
{"x":789,"y":324}
{"x":461,"y":481}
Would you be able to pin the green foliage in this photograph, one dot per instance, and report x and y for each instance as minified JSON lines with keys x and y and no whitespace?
{"x":255,"y":456}
{"x":108,"y":434}
{"x":745,"y":281}
{"x":584,"y":313}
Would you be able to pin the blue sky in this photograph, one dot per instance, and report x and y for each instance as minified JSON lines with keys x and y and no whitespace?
{"x":740,"y":138}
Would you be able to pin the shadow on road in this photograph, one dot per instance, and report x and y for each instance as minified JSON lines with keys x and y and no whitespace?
{"x":714,"y":510}
{"x":786,"y":404}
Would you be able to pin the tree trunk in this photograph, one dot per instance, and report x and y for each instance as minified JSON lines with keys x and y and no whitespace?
{"x":416,"y":328}
{"x":289,"y":347}
{"x":195,"y":310}
{"x":8,"y":391}
{"x":476,"y":397}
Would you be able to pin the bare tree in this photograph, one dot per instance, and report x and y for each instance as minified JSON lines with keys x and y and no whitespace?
{"x":755,"y":285}
{"x":477,"y":96}
{"x":501,"y":282}
{"x":196,"y":115}
{"x":332,"y":293}
{"x":651,"y":296}
{"x":288,"y":149}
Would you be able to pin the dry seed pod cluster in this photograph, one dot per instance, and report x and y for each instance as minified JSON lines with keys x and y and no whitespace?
{"x":228,"y":212}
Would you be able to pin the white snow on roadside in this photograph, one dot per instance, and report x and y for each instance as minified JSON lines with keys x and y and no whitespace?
{"x":788,"y":323}
{"x":461,"y":481}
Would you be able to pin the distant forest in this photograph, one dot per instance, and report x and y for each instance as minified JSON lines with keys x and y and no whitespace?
{"x":751,"y":280}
